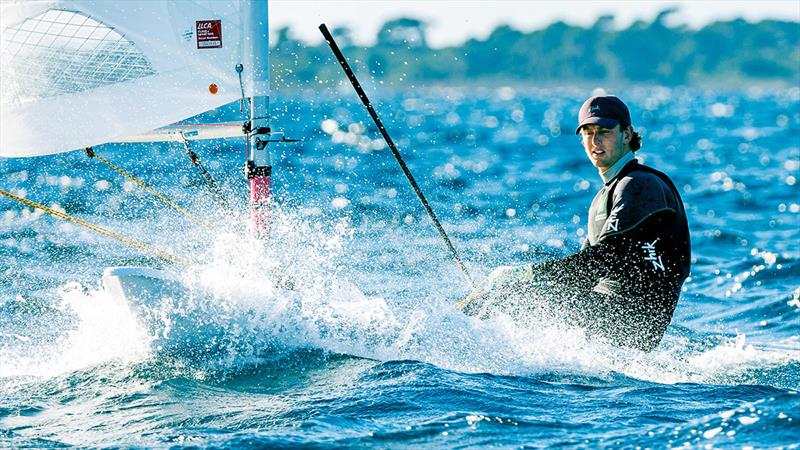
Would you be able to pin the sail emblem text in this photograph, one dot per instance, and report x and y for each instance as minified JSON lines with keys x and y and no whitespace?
{"x":209,"y":34}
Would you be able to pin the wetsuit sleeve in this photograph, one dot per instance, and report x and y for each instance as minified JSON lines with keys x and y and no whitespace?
{"x":618,"y":255}
{"x":630,"y":245}
{"x":579,"y":271}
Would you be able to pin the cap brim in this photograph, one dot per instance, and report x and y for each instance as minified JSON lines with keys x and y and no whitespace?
{"x":602,"y":121}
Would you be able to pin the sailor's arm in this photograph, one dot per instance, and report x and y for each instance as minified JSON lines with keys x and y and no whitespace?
{"x":582,"y":269}
{"x":548,"y":271}
{"x":590,"y":258}
{"x":578,"y":270}
{"x":638,"y":214}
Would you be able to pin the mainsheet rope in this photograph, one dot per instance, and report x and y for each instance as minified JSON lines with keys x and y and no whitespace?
{"x":92,"y":154}
{"x":209,"y":180}
{"x":129,"y":241}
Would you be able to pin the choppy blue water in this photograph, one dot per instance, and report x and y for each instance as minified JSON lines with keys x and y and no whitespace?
{"x":369,"y":351}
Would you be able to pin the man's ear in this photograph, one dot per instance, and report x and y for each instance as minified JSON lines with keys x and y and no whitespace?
{"x":627,"y":134}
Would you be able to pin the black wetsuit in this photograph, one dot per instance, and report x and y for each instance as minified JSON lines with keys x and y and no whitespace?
{"x":625,"y":282}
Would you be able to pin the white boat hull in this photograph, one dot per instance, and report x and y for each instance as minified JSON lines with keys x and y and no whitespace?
{"x":175,"y":315}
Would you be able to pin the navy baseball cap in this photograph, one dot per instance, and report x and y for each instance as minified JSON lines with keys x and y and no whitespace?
{"x":607,"y":111}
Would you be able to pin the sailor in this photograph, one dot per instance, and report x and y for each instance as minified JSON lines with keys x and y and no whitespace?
{"x":624,"y":284}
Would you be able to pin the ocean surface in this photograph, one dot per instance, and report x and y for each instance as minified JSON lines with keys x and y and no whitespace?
{"x":368,"y":351}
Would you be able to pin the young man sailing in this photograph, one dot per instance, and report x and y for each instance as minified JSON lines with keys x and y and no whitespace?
{"x":625,"y":282}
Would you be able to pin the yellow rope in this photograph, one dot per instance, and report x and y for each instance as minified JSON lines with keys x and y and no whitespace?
{"x":93,"y":154}
{"x":131,"y":242}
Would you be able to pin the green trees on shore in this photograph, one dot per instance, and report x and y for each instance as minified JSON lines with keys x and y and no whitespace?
{"x":726,"y":53}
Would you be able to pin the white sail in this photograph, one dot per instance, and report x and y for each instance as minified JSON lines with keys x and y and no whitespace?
{"x":79,"y":73}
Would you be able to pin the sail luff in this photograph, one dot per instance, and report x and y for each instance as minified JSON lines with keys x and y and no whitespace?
{"x":259,"y":169}
{"x":256,"y":57}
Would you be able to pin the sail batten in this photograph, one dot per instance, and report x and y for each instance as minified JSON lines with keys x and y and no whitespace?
{"x":80,"y":73}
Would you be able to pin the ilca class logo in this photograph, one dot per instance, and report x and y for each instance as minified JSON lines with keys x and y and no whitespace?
{"x":209,"y":33}
{"x":652,"y":256}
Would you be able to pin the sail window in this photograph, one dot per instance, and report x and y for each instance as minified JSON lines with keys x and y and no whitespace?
{"x":63,"y":52}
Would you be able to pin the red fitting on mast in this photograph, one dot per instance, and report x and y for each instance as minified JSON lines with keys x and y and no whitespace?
{"x":259,"y":198}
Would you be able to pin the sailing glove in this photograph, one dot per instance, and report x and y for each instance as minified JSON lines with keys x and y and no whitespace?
{"x":507,"y":275}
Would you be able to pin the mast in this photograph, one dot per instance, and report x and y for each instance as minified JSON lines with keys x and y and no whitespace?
{"x":258,"y":167}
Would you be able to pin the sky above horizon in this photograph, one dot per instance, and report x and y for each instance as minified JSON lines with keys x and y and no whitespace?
{"x":451,"y":22}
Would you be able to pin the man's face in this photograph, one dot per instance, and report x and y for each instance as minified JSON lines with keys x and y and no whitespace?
{"x":604,"y":146}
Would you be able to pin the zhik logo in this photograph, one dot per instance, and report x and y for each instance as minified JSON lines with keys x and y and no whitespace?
{"x":650,"y":249}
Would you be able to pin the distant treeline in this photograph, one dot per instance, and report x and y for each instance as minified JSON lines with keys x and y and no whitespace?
{"x":723,"y":52}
